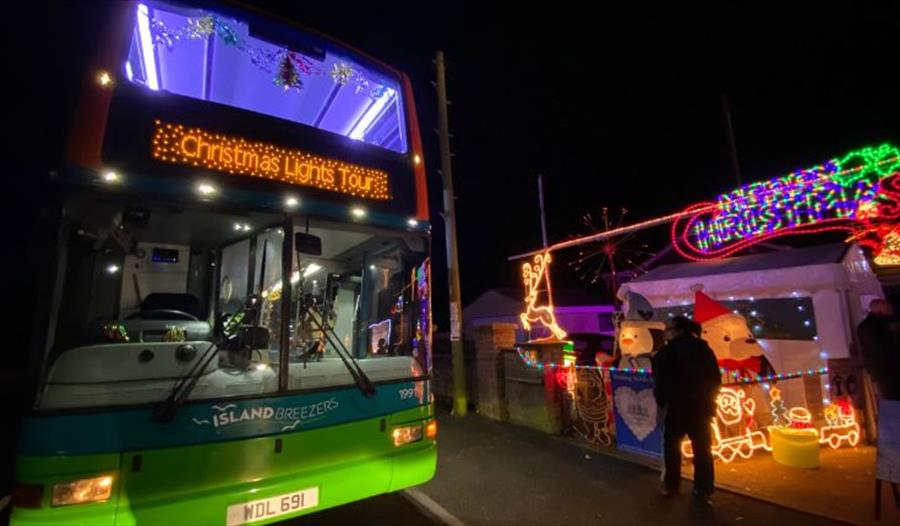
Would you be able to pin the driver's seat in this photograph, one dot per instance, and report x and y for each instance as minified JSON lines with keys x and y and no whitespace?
{"x":163,"y":301}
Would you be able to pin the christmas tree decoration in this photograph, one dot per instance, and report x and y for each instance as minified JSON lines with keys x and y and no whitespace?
{"x":532,"y":276}
{"x":341,"y":73}
{"x":287,"y":76}
{"x":777,"y":409}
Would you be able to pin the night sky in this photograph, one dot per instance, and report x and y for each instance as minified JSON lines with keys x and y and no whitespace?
{"x":617,"y":106}
{"x":620,"y":106}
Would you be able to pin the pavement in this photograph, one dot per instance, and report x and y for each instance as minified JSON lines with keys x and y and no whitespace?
{"x":491,"y":473}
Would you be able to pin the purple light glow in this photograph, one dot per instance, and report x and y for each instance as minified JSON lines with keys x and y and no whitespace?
{"x":146,"y":46}
{"x":168,"y":53}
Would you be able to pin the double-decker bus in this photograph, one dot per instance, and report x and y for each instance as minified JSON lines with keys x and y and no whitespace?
{"x":240,"y":325}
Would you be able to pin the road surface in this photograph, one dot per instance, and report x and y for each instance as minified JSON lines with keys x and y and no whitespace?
{"x":392,"y":509}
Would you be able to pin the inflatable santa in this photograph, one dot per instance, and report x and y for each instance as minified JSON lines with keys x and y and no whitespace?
{"x":730,"y":338}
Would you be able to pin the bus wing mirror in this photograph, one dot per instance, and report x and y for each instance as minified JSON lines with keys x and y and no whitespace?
{"x":307,"y":244}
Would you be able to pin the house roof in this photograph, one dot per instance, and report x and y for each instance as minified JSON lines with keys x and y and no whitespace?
{"x":794,"y":257}
{"x":561,"y":297}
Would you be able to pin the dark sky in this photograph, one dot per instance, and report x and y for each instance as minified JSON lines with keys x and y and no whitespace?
{"x":616,"y":105}
{"x":620,"y":105}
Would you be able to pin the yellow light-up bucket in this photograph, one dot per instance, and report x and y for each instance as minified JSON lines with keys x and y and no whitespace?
{"x":798,"y":448}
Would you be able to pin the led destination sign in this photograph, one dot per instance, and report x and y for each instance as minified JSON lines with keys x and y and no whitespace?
{"x":178,"y":144}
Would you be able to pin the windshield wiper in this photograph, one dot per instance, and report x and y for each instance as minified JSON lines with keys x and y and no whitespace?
{"x":167,"y":410}
{"x":365,"y":385}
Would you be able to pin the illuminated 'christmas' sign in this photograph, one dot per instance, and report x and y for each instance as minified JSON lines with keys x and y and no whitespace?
{"x":859,"y":192}
{"x":178,"y":144}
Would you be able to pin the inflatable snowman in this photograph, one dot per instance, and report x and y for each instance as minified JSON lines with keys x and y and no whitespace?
{"x":730,"y":338}
{"x":638,"y":336}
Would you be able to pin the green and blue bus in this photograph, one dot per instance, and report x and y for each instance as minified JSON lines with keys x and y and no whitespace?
{"x":240,"y":325}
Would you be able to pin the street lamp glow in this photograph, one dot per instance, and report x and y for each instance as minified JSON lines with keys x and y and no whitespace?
{"x":412,"y":222}
{"x":358,"y":211}
{"x":417,"y":159}
{"x":111,"y":177}
{"x":112,"y":269}
{"x":206,"y":189}
{"x":291,"y":202}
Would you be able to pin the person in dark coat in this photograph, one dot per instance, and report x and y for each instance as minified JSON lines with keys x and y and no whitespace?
{"x":687,"y":379}
{"x":879,"y":337}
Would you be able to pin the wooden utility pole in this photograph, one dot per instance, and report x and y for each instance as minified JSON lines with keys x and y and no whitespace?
{"x":460,"y":404}
{"x":726,"y":109}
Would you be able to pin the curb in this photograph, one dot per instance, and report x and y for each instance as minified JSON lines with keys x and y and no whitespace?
{"x":429,"y":507}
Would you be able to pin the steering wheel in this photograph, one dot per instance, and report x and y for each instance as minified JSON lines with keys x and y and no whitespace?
{"x":162,"y":314}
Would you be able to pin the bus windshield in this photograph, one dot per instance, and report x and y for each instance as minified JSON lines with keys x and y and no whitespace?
{"x":149,"y":288}
{"x":295,"y":76}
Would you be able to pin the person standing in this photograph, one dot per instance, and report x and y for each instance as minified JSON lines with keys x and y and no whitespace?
{"x":879,"y":337}
{"x":687,"y":379}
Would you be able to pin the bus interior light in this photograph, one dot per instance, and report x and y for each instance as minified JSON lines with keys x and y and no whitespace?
{"x":111,"y":177}
{"x":412,"y":222}
{"x":291,"y":202}
{"x":372,"y":114}
{"x":82,"y":491}
{"x":407,"y":435}
{"x":358,"y":211}
{"x":311,"y":269}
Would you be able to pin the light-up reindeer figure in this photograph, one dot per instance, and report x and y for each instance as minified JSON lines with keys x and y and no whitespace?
{"x":532,"y":274}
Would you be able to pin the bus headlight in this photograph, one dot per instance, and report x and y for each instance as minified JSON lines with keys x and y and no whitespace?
{"x":83,"y":490}
{"x":407,"y":434}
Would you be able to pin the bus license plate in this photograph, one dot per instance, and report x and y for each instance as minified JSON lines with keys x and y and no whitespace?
{"x":257,"y":510}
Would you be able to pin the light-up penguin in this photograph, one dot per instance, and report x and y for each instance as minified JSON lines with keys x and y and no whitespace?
{"x":638,"y":336}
